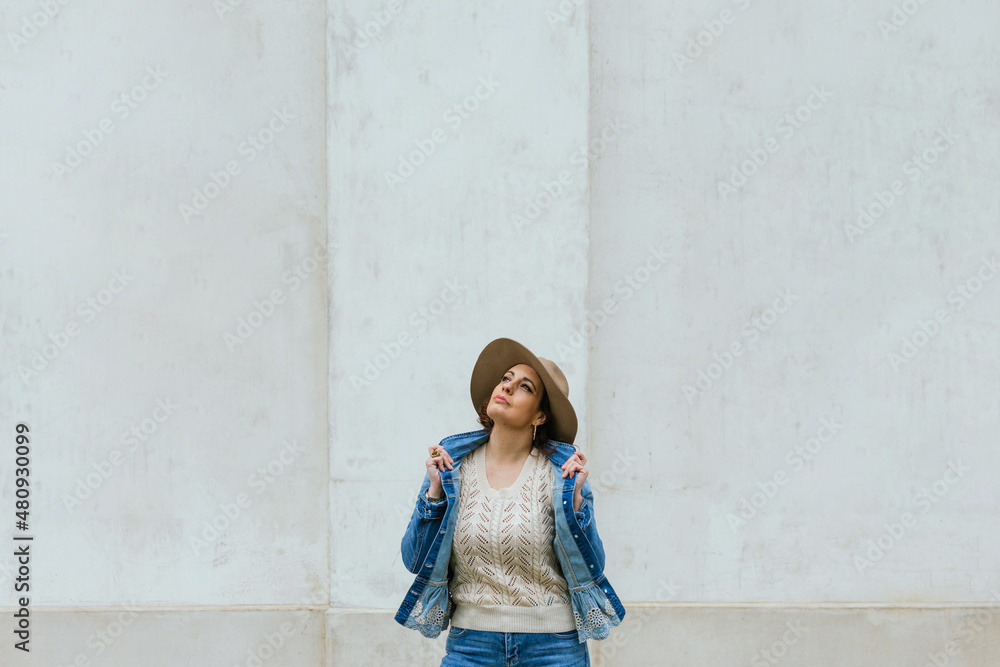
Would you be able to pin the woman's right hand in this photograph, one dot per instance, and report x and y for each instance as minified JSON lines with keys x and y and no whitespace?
{"x":435,"y":464}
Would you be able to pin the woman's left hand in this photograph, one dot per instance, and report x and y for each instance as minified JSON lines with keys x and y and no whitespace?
{"x":574,"y":466}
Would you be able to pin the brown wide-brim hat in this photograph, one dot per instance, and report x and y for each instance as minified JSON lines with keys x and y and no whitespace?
{"x":497,"y":358}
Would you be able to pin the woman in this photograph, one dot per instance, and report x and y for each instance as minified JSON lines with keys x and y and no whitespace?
{"x":503,"y":539}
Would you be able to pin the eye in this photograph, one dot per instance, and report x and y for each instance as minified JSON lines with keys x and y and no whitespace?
{"x":526,"y":386}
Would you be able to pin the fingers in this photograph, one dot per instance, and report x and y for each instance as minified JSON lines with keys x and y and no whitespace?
{"x":573,"y":463}
{"x":439,"y":463}
{"x":443,"y":459}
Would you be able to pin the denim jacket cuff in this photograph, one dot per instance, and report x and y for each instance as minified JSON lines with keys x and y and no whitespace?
{"x":429,"y":509}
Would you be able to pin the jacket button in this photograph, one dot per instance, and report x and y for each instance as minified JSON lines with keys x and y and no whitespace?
{"x":564,"y":502}
{"x":591,"y":566}
{"x":576,"y":536}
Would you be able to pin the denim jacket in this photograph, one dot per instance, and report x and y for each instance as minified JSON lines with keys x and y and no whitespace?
{"x":426,"y":549}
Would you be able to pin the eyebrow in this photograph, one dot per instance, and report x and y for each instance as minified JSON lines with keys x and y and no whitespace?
{"x":525,"y":378}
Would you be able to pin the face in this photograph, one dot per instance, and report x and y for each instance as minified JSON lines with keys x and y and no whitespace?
{"x":516,"y":398}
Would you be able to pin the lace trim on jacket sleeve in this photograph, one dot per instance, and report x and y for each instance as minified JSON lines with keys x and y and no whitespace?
{"x":432,"y":613}
{"x":599,"y":615}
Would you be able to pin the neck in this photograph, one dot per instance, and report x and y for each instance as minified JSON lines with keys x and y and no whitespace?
{"x":508,"y":445}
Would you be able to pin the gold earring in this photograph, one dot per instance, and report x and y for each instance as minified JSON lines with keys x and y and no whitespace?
{"x":534,"y":432}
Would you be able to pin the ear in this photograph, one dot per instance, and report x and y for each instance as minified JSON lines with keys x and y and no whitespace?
{"x":544,"y":419}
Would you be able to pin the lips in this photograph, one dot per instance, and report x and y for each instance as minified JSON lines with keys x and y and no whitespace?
{"x":501,"y":399}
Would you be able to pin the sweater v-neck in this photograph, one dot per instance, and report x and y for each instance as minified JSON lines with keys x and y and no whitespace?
{"x":481,"y":471}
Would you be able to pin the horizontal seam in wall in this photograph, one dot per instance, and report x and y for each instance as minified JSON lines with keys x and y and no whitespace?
{"x":819,"y":605}
{"x":157,"y":608}
{"x":627,"y":603}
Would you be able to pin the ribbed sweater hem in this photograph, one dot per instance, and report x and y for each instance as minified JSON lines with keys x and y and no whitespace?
{"x":511,"y":618}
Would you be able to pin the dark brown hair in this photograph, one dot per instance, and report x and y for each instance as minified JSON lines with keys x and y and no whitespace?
{"x":541,"y":441}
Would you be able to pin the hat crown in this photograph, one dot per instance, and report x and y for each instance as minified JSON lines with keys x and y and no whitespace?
{"x":561,"y":384}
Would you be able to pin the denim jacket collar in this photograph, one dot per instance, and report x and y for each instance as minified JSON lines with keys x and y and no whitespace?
{"x":461,"y":444}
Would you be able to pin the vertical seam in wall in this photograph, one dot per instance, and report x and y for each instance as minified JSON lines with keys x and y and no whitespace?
{"x":586,"y":287}
{"x":328,"y":290}
{"x":596,"y":658}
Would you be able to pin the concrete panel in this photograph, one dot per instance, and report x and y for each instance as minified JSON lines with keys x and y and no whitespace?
{"x":128,"y":636}
{"x":163,"y":315}
{"x":758,"y":635}
{"x":801,"y":404}
{"x":447,"y":128}
{"x":763,"y":636}
{"x":361,"y":637}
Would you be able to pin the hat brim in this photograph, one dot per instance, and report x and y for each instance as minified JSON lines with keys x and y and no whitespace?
{"x":497,"y":358}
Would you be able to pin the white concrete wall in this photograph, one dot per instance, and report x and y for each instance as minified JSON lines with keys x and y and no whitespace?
{"x":878,"y":432}
{"x":432,"y":265}
{"x":116,"y":578}
{"x":385,"y":289}
{"x":829,"y":359}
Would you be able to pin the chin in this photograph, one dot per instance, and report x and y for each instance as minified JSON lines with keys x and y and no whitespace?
{"x":493,"y":413}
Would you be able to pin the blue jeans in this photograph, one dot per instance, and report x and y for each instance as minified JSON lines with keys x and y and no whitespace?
{"x":480,"y":648}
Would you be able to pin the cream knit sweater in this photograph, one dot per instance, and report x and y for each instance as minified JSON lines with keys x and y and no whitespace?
{"x":506,"y":576}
